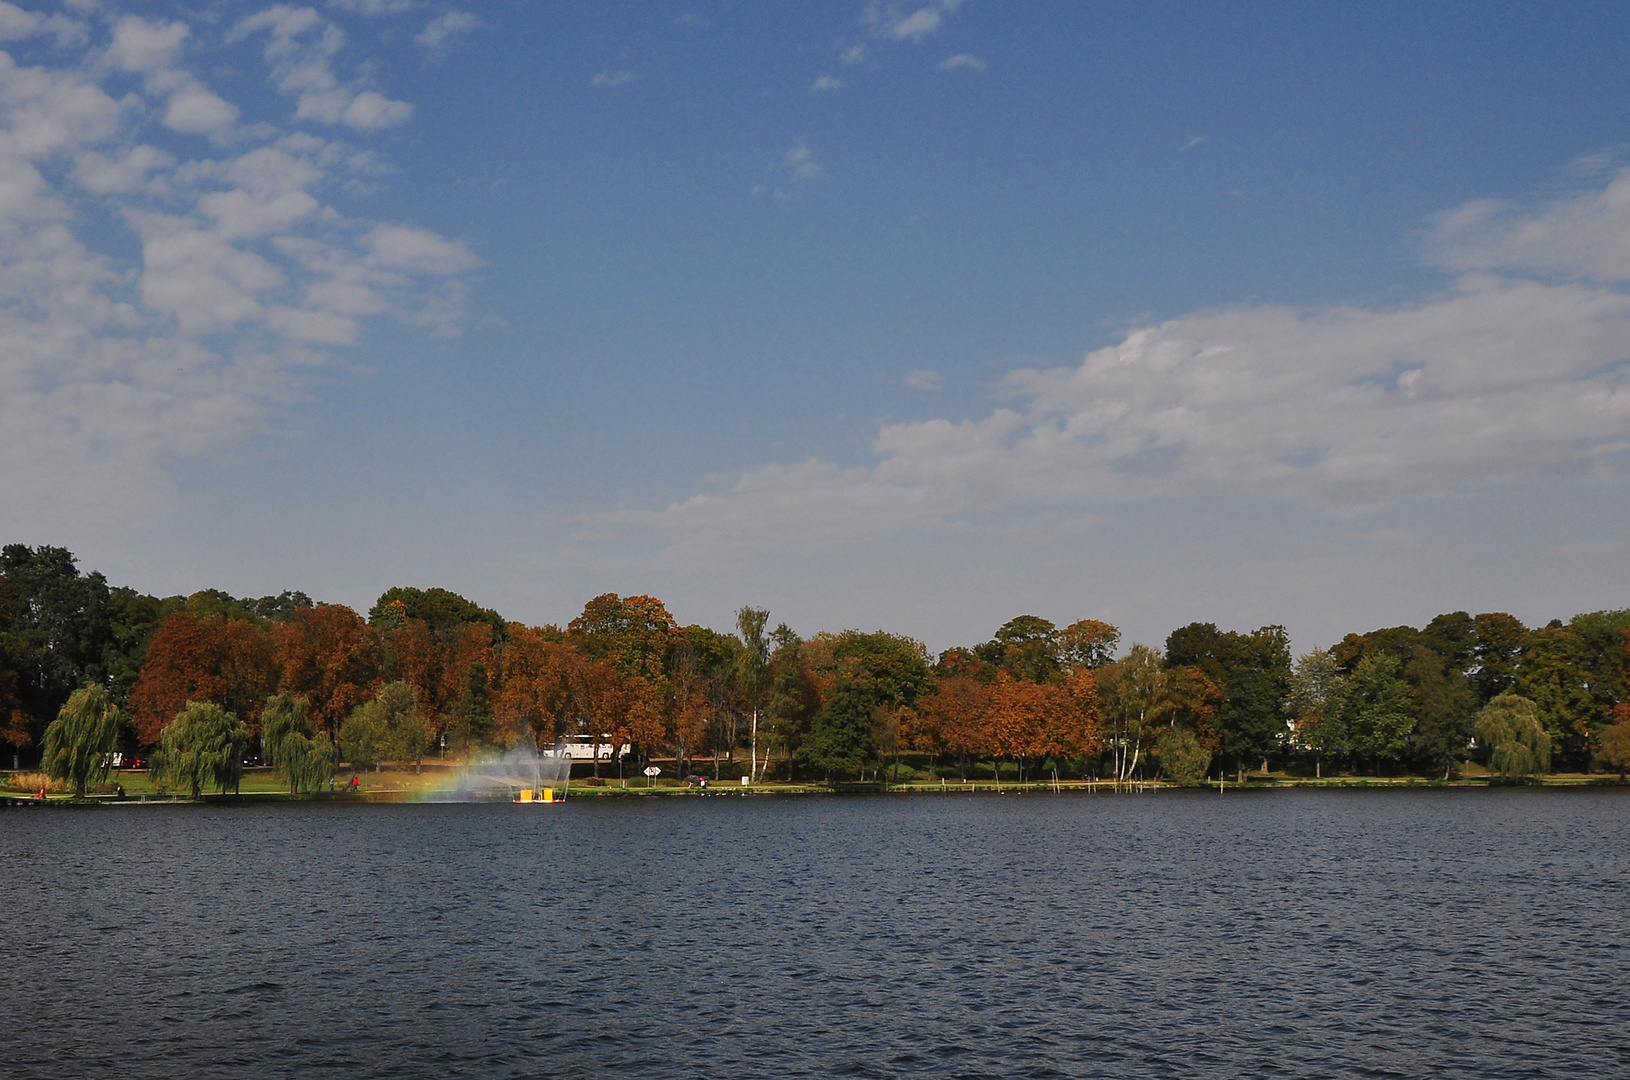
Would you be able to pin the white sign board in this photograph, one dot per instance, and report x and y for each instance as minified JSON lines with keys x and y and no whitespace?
{"x":652,"y":771}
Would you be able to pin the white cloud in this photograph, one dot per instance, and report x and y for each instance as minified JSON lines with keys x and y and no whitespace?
{"x":1586,"y":236}
{"x":301,"y":48}
{"x":115,"y":366}
{"x":153,"y":50}
{"x":401,"y":247}
{"x":801,"y":162}
{"x":1503,"y":380}
{"x":18,"y":25}
{"x":443,"y":28}
{"x":964,"y":61}
{"x":139,"y":45}
{"x":826,"y":83}
{"x":100,"y":174}
{"x":373,"y":7}
{"x":609,"y":77}
{"x":923,"y":379}
{"x":898,"y":22}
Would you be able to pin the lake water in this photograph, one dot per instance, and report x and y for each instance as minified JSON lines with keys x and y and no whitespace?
{"x":1295,"y":933}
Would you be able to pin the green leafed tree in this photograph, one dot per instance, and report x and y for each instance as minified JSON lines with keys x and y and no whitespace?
{"x":1182,"y":757}
{"x":1555,"y":673}
{"x":840,"y":739}
{"x":754,"y":664}
{"x":1317,"y":688}
{"x":1444,"y":703}
{"x":473,"y":722}
{"x":1518,"y":744}
{"x":792,"y":698}
{"x":302,"y":758}
{"x":79,"y":743}
{"x":1026,"y":647}
{"x":388,"y":728}
{"x":1375,"y":708}
{"x":1088,"y":643}
{"x":202,"y":747}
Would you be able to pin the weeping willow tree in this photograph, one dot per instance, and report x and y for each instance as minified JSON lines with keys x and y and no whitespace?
{"x":80,"y":742}
{"x":302,"y":758}
{"x":202,"y":746}
{"x":1518,"y":744}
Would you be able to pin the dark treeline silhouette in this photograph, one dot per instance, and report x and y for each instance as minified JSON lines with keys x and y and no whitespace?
{"x":427,"y":668}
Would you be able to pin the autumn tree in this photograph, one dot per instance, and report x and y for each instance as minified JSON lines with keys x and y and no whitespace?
{"x":634,"y":637}
{"x":327,"y":655}
{"x":1016,"y":720}
{"x":687,"y":706}
{"x":199,"y":658}
{"x":202,"y":747}
{"x":411,"y":652}
{"x":80,"y":742}
{"x":1032,"y":722}
{"x":633,"y":634}
{"x":534,"y":684}
{"x":953,"y":720}
{"x":1078,"y":732}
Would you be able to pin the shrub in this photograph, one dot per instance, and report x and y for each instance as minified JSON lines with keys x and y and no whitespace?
{"x":1614,"y":749}
{"x":1182,"y":757}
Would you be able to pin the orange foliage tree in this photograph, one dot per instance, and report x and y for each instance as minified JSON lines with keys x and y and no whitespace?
{"x":411,"y":654}
{"x":328,"y":655}
{"x":204,"y":658}
{"x":952,"y":720}
{"x":1031,"y":721}
{"x":528,"y":697}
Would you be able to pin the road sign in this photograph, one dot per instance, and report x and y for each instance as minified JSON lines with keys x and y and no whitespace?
{"x":652,"y":771}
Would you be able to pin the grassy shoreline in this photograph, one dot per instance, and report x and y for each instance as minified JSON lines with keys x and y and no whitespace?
{"x":431,"y":786}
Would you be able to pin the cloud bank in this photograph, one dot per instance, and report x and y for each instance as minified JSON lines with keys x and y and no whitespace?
{"x":1519,"y":372}
{"x":167,"y":274}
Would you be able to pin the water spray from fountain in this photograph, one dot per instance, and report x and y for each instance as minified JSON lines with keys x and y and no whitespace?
{"x":523,"y":773}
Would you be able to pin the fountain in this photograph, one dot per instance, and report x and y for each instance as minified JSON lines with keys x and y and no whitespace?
{"x":523,"y":773}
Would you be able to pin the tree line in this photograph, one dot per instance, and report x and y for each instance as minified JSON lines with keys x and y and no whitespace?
{"x":208,"y":679}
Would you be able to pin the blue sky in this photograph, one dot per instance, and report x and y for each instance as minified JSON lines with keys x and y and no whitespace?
{"x":915,"y":316}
